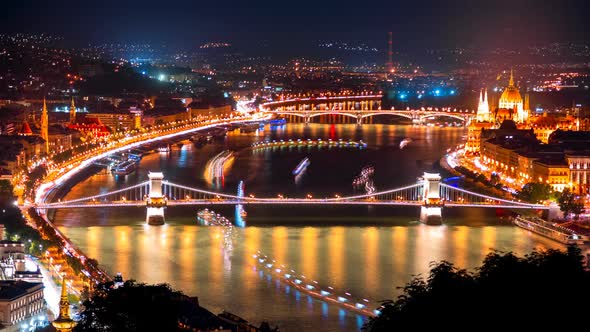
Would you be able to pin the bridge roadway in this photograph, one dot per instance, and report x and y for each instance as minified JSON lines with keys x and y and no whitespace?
{"x":277,"y":201}
{"x":418,"y":116}
{"x":307,"y":108}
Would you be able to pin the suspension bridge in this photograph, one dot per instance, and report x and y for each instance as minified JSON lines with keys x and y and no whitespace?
{"x":156,"y":194}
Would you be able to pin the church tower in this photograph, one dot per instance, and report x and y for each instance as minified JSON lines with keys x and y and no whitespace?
{"x":45,"y":126}
{"x":64,"y":323}
{"x":483,"y":108}
{"x":72,"y":112}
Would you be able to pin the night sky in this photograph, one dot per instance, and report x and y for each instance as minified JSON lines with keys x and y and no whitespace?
{"x":417,"y":24}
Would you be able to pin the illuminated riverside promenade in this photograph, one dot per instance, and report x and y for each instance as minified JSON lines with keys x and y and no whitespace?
{"x":59,"y":174}
{"x":62,"y":172}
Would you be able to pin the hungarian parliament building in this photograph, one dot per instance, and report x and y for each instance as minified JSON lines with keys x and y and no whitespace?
{"x":506,"y":139}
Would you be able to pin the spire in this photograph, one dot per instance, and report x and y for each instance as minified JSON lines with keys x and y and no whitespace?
{"x":511,"y":82}
{"x":45,"y":125}
{"x":64,"y":303}
{"x":72,"y":112}
{"x":64,"y":323}
{"x":483,"y":108}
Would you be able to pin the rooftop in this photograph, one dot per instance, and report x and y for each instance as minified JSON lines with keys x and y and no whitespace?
{"x":11,"y":289}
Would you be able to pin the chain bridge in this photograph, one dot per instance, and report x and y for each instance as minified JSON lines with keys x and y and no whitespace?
{"x":156,"y":194}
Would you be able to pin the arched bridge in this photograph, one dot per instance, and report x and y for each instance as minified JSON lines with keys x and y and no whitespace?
{"x":156,"y":194}
{"x":358,"y":107}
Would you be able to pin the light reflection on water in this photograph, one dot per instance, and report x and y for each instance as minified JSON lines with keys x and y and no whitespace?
{"x":366,"y":251}
{"x":193,"y":259}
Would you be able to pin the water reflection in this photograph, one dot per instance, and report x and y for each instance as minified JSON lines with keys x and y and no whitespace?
{"x":333,"y":245}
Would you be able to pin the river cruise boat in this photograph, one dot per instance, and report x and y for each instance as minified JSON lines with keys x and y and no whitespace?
{"x":549,"y":230}
{"x":124,"y":168}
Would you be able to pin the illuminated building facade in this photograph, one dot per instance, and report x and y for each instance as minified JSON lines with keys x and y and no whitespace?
{"x":511,"y":105}
{"x":579,"y":168}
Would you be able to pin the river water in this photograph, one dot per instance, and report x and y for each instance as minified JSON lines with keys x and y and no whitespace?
{"x":367,"y":251}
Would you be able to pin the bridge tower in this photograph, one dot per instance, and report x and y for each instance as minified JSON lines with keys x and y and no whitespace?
{"x":156,"y":202}
{"x":431,"y":209}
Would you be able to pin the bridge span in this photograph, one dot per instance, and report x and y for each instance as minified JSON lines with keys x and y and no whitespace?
{"x":358,"y":107}
{"x":156,"y":194}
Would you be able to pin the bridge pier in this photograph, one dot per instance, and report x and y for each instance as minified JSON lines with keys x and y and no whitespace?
{"x":156,"y":202}
{"x":431,"y":209}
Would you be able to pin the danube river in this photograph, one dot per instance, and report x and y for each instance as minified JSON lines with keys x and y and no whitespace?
{"x":367,"y":251}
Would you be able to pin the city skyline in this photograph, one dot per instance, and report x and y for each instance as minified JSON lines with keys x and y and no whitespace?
{"x":414,"y":25}
{"x":233,"y":166}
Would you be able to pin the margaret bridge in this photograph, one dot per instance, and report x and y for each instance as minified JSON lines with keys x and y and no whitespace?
{"x":156,"y":194}
{"x":359,"y":107}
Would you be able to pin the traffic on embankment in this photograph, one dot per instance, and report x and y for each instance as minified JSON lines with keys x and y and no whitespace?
{"x":61,"y":176}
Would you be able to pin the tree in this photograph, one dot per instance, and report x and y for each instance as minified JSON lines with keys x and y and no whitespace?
{"x":494,"y":179}
{"x":506,"y":289}
{"x":535,"y":192}
{"x":265,"y":327}
{"x":140,"y":307}
{"x":569,"y":203}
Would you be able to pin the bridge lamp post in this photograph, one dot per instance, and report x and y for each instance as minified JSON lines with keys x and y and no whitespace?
{"x":309,"y":196}
{"x":337,"y":196}
{"x":280,"y":196}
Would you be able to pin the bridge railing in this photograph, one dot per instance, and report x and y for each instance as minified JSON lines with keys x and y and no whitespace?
{"x":136,"y":192}
{"x":464,"y":197}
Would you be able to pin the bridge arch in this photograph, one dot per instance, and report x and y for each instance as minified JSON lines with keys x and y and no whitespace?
{"x":294,"y":113}
{"x":440,"y":115}
{"x":348,"y":114}
{"x":399,"y":114}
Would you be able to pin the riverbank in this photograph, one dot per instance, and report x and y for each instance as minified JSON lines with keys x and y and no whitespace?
{"x":83,"y":272}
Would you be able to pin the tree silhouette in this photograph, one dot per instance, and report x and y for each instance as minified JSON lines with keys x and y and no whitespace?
{"x":140,"y":307}
{"x":569,"y":203}
{"x":534,"y":192}
{"x":506,"y":292}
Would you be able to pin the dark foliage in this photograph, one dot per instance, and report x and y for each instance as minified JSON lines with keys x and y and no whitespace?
{"x":140,"y":307}
{"x":535,"y":192}
{"x":541,"y":289}
{"x":569,"y":203}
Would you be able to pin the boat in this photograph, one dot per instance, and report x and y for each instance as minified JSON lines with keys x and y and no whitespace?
{"x":301,"y":166}
{"x":164,"y":148}
{"x":124,"y":168}
{"x":208,"y":217}
{"x":251,"y":127}
{"x":205,"y":216}
{"x":548,"y":230}
{"x":405,"y":142}
{"x":278,"y":122}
